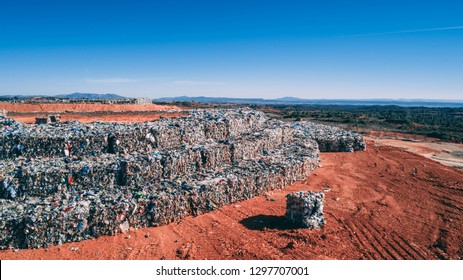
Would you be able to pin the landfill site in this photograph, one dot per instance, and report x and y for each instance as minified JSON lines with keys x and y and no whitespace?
{"x":219,"y":184}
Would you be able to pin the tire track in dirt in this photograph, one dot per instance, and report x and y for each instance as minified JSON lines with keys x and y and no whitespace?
{"x":447,"y":215}
{"x":451,"y":207}
{"x":366,"y":242}
{"x":409,"y":252}
{"x":376,"y":240}
{"x":361,"y":244}
{"x":387,"y":243}
{"x":413,"y":247}
{"x":449,"y":203}
{"x":447,"y":198}
{"x":440,"y":191}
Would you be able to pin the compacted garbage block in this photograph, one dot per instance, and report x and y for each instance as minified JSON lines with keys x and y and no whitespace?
{"x":305,"y":209}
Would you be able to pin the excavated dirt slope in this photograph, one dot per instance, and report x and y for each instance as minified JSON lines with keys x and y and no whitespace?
{"x":120,"y":117}
{"x":383,"y":203}
{"x":82,"y":107}
{"x":85,"y":112}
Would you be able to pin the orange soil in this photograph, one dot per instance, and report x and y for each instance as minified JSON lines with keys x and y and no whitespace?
{"x":103,"y":112}
{"x":439,"y":151}
{"x":414,"y":147}
{"x":383,"y":203}
{"x":82,"y":107}
{"x":121,"y":118}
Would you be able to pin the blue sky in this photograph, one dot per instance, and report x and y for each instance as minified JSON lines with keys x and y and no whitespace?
{"x":307,"y":49}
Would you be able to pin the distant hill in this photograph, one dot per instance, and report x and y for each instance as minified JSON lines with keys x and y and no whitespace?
{"x":289,"y":99}
{"x":76,"y":95}
{"x":295,"y":101}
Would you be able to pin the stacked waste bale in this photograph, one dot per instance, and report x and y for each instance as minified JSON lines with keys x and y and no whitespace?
{"x":180,"y":161}
{"x":4,"y":119}
{"x":103,"y":179}
{"x":90,"y":213}
{"x":256,"y":144}
{"x":74,"y":138}
{"x":42,"y":176}
{"x":213,"y":154}
{"x":192,"y":132}
{"x":330,"y":138}
{"x":71,"y":139}
{"x":166,"y":135}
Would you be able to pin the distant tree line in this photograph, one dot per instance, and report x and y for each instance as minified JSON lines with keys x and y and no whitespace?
{"x":444,"y":123}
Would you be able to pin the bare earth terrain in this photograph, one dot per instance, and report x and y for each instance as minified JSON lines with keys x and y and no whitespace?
{"x":122,"y":117}
{"x":81,"y":107}
{"x":383,"y":203}
{"x":85,"y":112}
{"x":449,"y":154}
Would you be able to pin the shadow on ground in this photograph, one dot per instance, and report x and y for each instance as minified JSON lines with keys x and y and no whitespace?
{"x":259,"y":222}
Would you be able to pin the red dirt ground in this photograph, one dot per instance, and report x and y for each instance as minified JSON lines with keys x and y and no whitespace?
{"x":106,"y":117}
{"x":85,"y":112}
{"x":383,"y":203}
{"x":82,"y":107}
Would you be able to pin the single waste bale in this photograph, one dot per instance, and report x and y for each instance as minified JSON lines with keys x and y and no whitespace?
{"x":42,"y":120}
{"x":305,"y":208}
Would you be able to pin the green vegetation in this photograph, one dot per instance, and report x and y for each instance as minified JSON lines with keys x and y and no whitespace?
{"x":445,"y":124}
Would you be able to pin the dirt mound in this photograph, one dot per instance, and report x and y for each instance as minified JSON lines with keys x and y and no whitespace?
{"x":89,"y":112}
{"x":82,"y":107}
{"x":104,"y":116}
{"x":383,"y":203}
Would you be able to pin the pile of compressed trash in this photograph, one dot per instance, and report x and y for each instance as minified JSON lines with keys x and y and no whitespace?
{"x":4,"y":119}
{"x":74,"y":138}
{"x":71,"y":181}
{"x":331,"y":138}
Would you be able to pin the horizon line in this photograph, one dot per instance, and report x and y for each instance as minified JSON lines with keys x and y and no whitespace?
{"x":250,"y":98}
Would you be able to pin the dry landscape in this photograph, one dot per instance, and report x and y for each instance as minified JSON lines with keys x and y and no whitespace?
{"x":392,"y":201}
